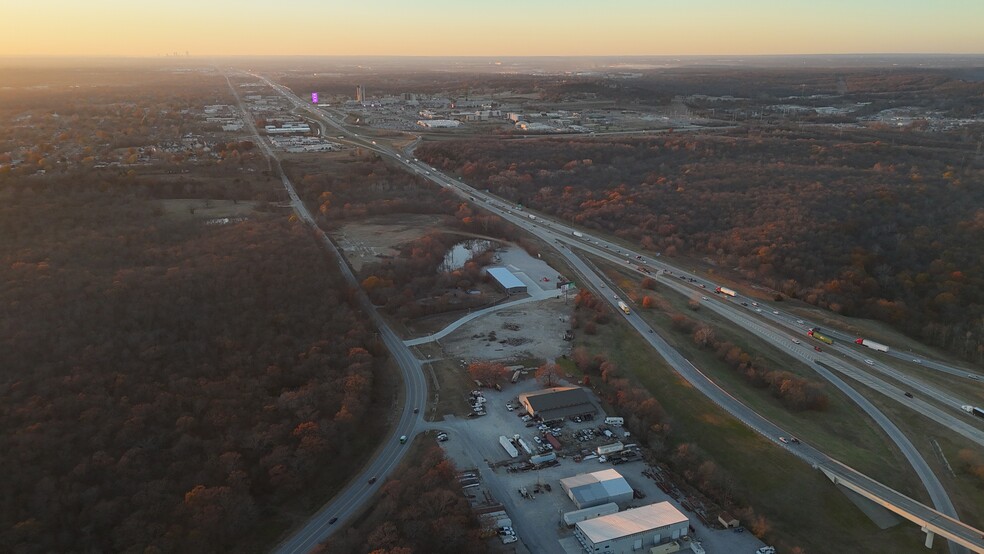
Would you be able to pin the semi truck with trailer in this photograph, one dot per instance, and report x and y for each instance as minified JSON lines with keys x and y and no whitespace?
{"x":973,"y":410}
{"x":726,"y":291}
{"x":872,"y":345}
{"x":815,"y":333}
{"x":624,"y":307}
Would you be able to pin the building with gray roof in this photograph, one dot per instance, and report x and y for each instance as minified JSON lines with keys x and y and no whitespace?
{"x":593,"y":489}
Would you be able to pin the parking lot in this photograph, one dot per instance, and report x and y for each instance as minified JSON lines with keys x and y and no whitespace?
{"x":537,"y":516}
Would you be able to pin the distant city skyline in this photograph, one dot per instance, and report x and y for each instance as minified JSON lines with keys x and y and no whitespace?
{"x":506,"y":28}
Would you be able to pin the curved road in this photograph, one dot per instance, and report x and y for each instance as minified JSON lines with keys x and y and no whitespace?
{"x":387,"y":457}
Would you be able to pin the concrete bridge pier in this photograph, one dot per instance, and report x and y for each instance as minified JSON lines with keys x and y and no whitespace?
{"x":929,"y":537}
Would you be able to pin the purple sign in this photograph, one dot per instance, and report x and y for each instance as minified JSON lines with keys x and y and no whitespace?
{"x":314,"y":97}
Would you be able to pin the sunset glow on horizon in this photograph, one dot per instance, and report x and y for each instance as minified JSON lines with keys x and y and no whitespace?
{"x":506,"y":28}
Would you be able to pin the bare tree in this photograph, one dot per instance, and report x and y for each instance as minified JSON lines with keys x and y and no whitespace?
{"x":549,"y":374}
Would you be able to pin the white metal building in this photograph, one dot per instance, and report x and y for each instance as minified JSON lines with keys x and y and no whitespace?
{"x":505,"y":278}
{"x":633,"y":530}
{"x":570,"y":518}
{"x":593,"y":489}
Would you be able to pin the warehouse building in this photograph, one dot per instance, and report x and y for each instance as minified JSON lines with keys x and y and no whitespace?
{"x":506,"y":280}
{"x":570,"y":518}
{"x":633,"y":530}
{"x":557,"y":403}
{"x":593,"y":489}
{"x":439,"y":123}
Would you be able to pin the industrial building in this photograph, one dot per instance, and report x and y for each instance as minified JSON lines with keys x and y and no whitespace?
{"x":593,"y":489}
{"x":557,"y":403}
{"x":439,"y":123}
{"x":632,"y":530}
{"x":570,"y":518}
{"x":288,"y":127}
{"x":506,"y":280}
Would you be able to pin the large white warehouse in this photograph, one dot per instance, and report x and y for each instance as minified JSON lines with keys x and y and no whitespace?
{"x":601,"y":487}
{"x":633,"y":530}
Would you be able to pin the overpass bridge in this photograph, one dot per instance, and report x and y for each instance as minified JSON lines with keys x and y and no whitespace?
{"x":932,"y":522}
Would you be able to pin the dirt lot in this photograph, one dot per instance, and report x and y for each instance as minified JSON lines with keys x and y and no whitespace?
{"x":532,"y":330}
{"x":364,"y":240}
{"x":203,"y":210}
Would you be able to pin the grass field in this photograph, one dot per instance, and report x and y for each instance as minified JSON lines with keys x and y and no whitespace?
{"x":838,"y":431}
{"x":803,"y":508}
{"x":842,"y":428}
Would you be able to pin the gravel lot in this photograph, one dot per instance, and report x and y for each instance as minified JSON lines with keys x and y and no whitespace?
{"x":533,"y":330}
{"x":538,"y":522}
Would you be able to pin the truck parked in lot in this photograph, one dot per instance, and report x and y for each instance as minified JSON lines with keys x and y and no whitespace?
{"x":726,"y":291}
{"x":616,"y":421}
{"x":624,"y":307}
{"x":872,"y":345}
{"x":973,"y":410}
{"x":815,"y":333}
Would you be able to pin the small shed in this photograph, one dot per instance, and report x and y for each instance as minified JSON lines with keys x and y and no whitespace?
{"x":728,"y":520}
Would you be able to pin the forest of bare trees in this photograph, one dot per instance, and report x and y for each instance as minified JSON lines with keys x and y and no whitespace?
{"x":878,"y":224}
{"x":164,"y":383}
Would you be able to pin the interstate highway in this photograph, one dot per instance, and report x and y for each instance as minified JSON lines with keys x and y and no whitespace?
{"x":549,"y":231}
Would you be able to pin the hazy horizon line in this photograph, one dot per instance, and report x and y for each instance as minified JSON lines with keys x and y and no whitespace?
{"x":487,"y":56}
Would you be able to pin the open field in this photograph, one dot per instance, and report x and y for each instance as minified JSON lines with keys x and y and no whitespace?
{"x":364,"y":241}
{"x":196,"y":209}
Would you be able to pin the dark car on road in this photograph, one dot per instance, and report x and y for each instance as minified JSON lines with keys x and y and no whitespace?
{"x":332,"y":520}
{"x":372,"y":480}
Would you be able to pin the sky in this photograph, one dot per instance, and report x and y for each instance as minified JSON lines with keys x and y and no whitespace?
{"x":489,"y":28}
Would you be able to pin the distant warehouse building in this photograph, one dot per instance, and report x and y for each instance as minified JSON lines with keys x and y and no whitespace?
{"x":594,"y":489}
{"x":506,"y":280}
{"x":438,"y":123}
{"x":557,"y":403}
{"x":645,"y":528}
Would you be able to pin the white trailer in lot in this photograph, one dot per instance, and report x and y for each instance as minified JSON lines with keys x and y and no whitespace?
{"x":509,"y":448}
{"x":610,"y":448}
